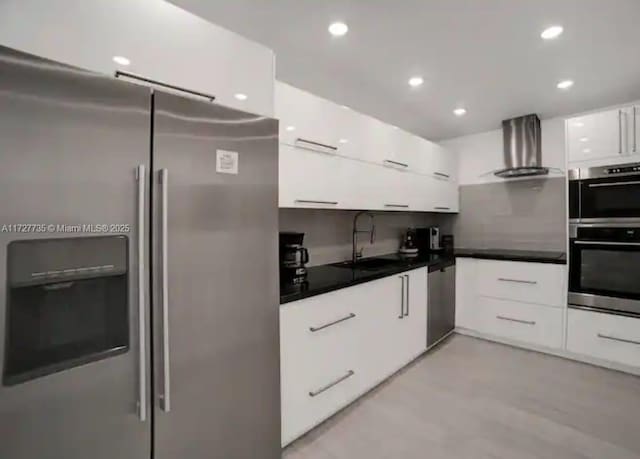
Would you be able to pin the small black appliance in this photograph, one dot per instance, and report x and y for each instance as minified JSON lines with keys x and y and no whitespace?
{"x":293,"y":257}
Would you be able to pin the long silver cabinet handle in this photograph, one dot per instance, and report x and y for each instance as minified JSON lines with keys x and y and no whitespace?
{"x":141,"y":175}
{"x":520,"y":321}
{"x":322,"y":327}
{"x":517,"y":281}
{"x":165,"y":398}
{"x":620,"y":132}
{"x":635,"y":130}
{"x":403,"y":206}
{"x":440,"y":174}
{"x":396,"y":163}
{"x":401,"y":299}
{"x":139,"y":78}
{"x":606,"y":243}
{"x":308,"y":201}
{"x":442,"y":208}
{"x":408,"y":292}
{"x":622,"y":340}
{"x":600,"y":185}
{"x":331,"y":384}
{"x":311,"y":145}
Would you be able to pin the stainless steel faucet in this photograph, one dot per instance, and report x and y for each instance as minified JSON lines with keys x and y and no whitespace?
{"x":371,"y":231}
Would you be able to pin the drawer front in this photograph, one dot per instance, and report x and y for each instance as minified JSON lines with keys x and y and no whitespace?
{"x":604,"y":336}
{"x":529,"y":323}
{"x":538,"y":283}
{"x":319,"y":357}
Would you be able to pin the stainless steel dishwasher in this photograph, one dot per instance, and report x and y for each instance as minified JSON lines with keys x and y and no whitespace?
{"x":441,"y":310}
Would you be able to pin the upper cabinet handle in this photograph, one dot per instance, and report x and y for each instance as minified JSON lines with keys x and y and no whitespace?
{"x":396,"y":163}
{"x":308,"y":201}
{"x":635,"y":132}
{"x":440,"y":174}
{"x":311,"y":145}
{"x":139,"y":78}
{"x":442,"y":208}
{"x":619,"y":132}
{"x":404,"y":206}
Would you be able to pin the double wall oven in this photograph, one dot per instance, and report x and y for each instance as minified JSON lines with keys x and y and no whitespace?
{"x":604,"y":258}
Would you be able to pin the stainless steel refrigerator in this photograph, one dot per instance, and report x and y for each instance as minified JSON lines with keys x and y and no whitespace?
{"x":138,"y":271}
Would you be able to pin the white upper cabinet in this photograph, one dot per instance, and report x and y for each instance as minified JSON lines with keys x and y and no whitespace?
{"x":609,"y":134}
{"x":307,"y":121}
{"x":334,"y":157}
{"x":162,"y":41}
{"x":437,"y":162}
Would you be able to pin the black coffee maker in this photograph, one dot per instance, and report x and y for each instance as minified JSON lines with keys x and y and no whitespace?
{"x":293,"y":257}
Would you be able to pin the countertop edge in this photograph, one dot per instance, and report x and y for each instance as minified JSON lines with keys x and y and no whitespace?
{"x":375,"y":275}
{"x":550,"y":261}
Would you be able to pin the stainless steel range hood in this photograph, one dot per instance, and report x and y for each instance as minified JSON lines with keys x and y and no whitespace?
{"x":522,"y":147}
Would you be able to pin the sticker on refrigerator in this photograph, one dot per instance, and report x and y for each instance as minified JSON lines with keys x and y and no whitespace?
{"x":226,"y":162}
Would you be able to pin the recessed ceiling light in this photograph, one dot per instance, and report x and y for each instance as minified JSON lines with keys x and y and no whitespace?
{"x":584,"y":139}
{"x":565,"y":84}
{"x":578,"y":124}
{"x":121,"y":60}
{"x":345,"y":107}
{"x":552,"y":32}
{"x":343,"y":140}
{"x":240,"y":96}
{"x":290,"y":128}
{"x":338,"y":29}
{"x":416,"y":81}
{"x":460,"y":112}
{"x":396,"y":127}
{"x":587,"y":150}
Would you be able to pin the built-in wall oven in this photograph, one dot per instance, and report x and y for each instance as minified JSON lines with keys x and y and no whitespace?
{"x":604,"y":268}
{"x":604,"y":239}
{"x":605,"y":194}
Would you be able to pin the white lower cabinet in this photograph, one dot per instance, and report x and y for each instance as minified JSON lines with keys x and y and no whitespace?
{"x":527,"y":323}
{"x":336,"y":346}
{"x":604,"y":336}
{"x":517,"y":301}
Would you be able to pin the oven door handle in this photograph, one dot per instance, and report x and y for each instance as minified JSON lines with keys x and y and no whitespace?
{"x":634,"y":244}
{"x":600,"y":185}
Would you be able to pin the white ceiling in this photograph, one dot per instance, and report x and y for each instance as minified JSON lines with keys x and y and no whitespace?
{"x":485,"y":55}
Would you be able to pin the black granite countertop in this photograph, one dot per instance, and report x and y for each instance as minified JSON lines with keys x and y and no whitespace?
{"x":327,"y":278}
{"x":533,"y":256}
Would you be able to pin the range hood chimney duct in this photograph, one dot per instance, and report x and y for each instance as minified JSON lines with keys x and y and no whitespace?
{"x":522,"y":147}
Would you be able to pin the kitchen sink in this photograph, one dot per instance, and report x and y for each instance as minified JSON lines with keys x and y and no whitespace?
{"x":368,"y":264}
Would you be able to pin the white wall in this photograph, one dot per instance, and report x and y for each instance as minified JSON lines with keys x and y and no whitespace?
{"x":480,"y":154}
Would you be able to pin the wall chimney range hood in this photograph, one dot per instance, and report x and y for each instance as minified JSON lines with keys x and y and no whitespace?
{"x":522,"y":148}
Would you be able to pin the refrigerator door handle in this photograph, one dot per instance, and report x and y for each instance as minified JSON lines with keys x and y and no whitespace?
{"x":165,"y":398}
{"x":142,"y":344}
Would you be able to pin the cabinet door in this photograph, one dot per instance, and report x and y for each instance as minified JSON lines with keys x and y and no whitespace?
{"x":307,"y":121}
{"x":466,"y":293}
{"x":437,"y":162}
{"x":415,"y":318}
{"x":599,"y":135}
{"x":162,"y":42}
{"x":309,"y":178}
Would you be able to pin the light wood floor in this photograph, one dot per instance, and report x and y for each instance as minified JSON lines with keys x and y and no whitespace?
{"x":470,"y":398}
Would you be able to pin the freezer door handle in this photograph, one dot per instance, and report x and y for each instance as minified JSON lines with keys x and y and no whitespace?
{"x":142,"y":344}
{"x":165,"y":397}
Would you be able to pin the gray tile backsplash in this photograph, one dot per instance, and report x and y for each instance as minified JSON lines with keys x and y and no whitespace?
{"x":524,"y":214}
{"x":328,"y":232}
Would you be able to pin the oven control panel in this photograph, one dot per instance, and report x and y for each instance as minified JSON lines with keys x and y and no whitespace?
{"x":623,"y":169}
